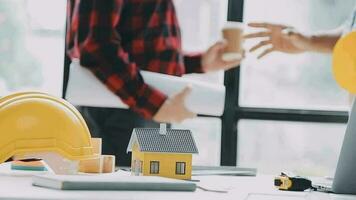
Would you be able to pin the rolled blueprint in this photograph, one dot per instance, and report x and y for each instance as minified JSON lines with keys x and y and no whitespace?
{"x":84,"y":89}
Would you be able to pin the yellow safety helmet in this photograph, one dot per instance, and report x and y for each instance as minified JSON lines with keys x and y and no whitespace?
{"x":33,"y":122}
{"x":344,"y":62}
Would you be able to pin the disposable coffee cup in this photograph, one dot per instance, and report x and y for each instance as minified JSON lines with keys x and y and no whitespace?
{"x":233,"y":34}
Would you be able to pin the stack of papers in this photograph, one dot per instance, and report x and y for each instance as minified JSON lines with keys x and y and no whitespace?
{"x":111,"y":182}
{"x":223,"y":170}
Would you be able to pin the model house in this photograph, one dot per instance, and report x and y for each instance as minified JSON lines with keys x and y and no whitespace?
{"x":162,"y":152}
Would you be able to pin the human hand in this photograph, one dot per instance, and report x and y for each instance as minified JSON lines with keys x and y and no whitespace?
{"x":212,"y":59}
{"x":173,"y":109}
{"x":278,"y":38}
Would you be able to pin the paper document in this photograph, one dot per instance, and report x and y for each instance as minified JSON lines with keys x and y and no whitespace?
{"x":84,"y":89}
{"x":256,"y":196}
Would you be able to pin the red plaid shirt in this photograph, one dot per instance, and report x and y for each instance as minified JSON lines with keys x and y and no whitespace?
{"x":115,"y":39}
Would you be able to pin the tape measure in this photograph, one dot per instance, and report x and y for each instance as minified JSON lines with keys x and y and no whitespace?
{"x":296,"y":183}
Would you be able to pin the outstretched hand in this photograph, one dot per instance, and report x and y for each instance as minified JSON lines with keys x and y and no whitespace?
{"x":278,"y":38}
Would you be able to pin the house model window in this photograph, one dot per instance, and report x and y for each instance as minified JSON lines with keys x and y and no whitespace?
{"x":154,"y":167}
{"x":180,"y":168}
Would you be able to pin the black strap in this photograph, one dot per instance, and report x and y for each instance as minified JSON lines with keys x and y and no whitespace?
{"x":65,"y":75}
{"x":66,"y":57}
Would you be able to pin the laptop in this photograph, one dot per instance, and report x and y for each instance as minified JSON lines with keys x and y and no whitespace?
{"x":344,"y":181}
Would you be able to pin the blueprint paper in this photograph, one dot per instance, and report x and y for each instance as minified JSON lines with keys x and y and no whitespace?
{"x":84,"y":89}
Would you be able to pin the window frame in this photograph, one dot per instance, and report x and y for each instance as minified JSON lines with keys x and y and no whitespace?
{"x":181,"y":164}
{"x":233,"y":112}
{"x":154,"y":164}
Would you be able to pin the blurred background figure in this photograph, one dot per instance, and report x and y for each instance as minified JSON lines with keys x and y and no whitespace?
{"x":295,"y":79}
{"x":287,"y":39}
{"x":116,"y":50}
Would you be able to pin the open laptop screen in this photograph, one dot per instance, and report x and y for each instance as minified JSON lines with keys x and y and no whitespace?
{"x":345,"y":175}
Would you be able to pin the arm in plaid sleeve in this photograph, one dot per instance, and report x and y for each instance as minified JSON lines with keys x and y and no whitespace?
{"x":102,"y":53}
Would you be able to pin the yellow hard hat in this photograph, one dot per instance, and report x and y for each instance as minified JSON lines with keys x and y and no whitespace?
{"x":344,"y":62}
{"x":33,"y":122}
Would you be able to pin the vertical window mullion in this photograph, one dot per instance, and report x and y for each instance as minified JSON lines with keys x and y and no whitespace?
{"x":229,"y":134}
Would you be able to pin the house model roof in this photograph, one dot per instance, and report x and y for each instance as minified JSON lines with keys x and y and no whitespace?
{"x":172,"y":141}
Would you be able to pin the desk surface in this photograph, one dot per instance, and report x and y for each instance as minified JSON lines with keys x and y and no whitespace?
{"x":237,"y":188}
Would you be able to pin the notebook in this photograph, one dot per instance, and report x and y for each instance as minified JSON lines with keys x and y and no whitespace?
{"x":111,"y":182}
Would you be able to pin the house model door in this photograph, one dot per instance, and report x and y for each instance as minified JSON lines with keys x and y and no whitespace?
{"x":137,"y":167}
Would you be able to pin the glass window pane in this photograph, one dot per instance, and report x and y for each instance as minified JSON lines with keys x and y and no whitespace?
{"x":154,"y":167}
{"x":177,"y":168}
{"x":201,"y":22}
{"x":293,"y":81}
{"x":207,"y":133}
{"x":303,"y":148}
{"x":180,"y":168}
{"x":32,"y":45}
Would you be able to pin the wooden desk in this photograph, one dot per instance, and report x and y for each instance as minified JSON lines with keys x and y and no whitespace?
{"x":237,"y":188}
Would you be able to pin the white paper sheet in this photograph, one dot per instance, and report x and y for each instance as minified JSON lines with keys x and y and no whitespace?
{"x":256,"y":196}
{"x":84,"y":89}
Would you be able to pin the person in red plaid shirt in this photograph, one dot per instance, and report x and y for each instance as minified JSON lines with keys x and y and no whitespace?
{"x":115,"y":39}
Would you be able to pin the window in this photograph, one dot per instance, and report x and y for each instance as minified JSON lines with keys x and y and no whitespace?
{"x":201,"y":22}
{"x":154,"y":167}
{"x":275,"y":146}
{"x":288,"y":113}
{"x":206,"y":132}
{"x":209,"y":17}
{"x":302,"y":81}
{"x":199,"y":34}
{"x":180,"y":168}
{"x":32,"y":45}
